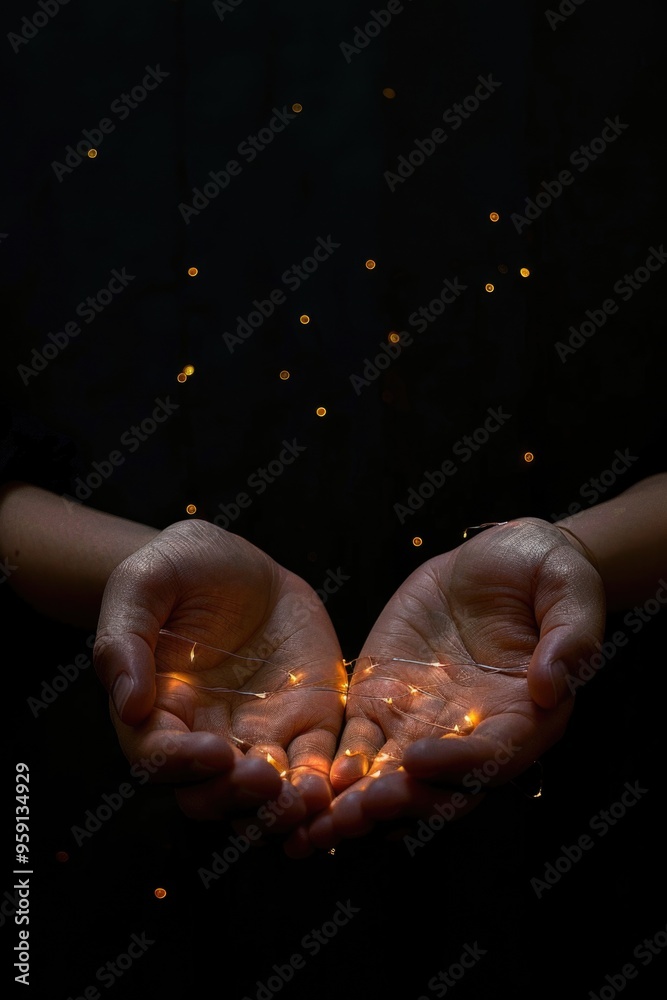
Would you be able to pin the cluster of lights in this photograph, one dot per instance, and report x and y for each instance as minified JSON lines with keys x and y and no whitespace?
{"x":185,"y":373}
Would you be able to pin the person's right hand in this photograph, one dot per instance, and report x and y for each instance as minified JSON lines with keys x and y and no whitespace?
{"x":254,"y":687}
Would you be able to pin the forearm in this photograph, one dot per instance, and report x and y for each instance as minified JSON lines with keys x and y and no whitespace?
{"x":58,"y":555}
{"x":628,"y":538}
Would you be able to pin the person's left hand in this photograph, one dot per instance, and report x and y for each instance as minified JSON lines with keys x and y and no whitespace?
{"x":518,"y":597}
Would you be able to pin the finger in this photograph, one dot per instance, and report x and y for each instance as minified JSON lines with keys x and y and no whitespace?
{"x":126,"y":667}
{"x":164,"y":749}
{"x":399,"y":795}
{"x":359,"y":746}
{"x":248,"y":785}
{"x":310,"y":756}
{"x":570,"y":611}
{"x":499,"y":749}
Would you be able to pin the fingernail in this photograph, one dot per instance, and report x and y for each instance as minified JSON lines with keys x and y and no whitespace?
{"x":559,"y":674}
{"x":121,"y":691}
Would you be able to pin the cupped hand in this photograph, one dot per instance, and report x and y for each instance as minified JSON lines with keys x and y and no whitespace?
{"x":422,"y":735}
{"x":224,"y":670}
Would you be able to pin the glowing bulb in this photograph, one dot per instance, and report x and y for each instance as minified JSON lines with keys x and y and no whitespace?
{"x":394,"y":337}
{"x":293,"y":678}
{"x":190,"y":509}
{"x":370,"y":264}
{"x":297,"y":108}
{"x":284,"y":374}
{"x":189,"y":370}
{"x":494,"y":216}
{"x":92,"y":153}
{"x":305,"y":319}
{"x":417,"y":541}
{"x":321,"y":411}
{"x":181,"y":377}
{"x":193,"y":271}
{"x":528,"y":456}
{"x":524,"y":272}
{"x":160,"y":893}
{"x":489,"y":287}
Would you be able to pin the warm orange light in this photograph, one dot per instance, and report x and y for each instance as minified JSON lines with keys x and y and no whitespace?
{"x":190,"y":509}
{"x":160,"y":893}
{"x":181,"y":377}
{"x":394,"y":337}
{"x":494,"y":216}
{"x":321,"y":411}
{"x":524,"y":272}
{"x":389,"y":92}
{"x":417,"y":541}
{"x":370,"y":264}
{"x":284,"y":374}
{"x":92,"y":153}
{"x":528,"y":457}
{"x":297,"y":108}
{"x":304,"y":319}
{"x":490,"y":287}
{"x":189,"y":370}
{"x":193,"y":271}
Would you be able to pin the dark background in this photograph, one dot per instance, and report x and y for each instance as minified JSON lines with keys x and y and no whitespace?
{"x":333,"y":509}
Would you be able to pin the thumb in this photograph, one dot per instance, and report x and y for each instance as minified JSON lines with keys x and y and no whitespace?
{"x":570,"y":610}
{"x":137,"y":600}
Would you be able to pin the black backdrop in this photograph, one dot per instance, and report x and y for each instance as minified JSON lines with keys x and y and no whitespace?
{"x":550,"y":82}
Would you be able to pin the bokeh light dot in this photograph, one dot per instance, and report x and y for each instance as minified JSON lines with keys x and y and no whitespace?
{"x":284,"y":374}
{"x":304,"y":320}
{"x":193,"y":271}
{"x":297,"y":107}
{"x":92,"y":153}
{"x":321,"y":411}
{"x":394,"y":337}
{"x":389,"y":92}
{"x":181,"y":377}
{"x":528,"y":456}
{"x":417,"y":541}
{"x":190,"y":509}
{"x":189,"y":370}
{"x":490,"y":287}
{"x":160,"y":893}
{"x":370,"y":264}
{"x":494,"y":216}
{"x":524,"y":272}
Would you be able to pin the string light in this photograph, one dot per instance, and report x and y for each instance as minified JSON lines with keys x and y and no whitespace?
{"x":160,"y":893}
{"x":193,"y":271}
{"x":92,"y":153}
{"x":524,"y":272}
{"x":181,"y":377}
{"x":297,"y":108}
{"x":528,"y":456}
{"x":394,"y":337}
{"x":321,"y":411}
{"x":284,"y":374}
{"x":417,"y":541}
{"x":305,"y":319}
{"x":494,"y":216}
{"x":190,"y":509}
{"x":489,"y":287}
{"x":405,"y":699}
{"x":370,"y":264}
{"x":189,"y":370}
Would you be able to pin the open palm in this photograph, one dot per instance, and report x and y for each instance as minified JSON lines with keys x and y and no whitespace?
{"x":233,"y":672}
{"x":516,"y":598}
